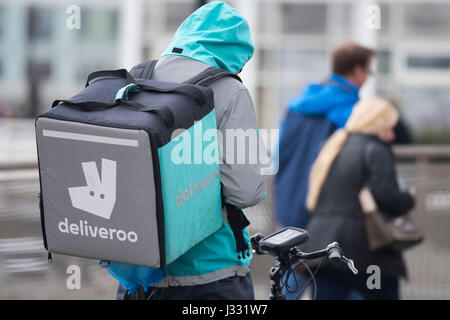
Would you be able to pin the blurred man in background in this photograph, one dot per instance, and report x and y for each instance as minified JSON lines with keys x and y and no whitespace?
{"x":311,"y":117}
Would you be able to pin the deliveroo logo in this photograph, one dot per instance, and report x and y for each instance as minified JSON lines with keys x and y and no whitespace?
{"x":98,"y":197}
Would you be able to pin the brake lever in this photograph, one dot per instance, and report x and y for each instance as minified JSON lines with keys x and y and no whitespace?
{"x":350,"y":264}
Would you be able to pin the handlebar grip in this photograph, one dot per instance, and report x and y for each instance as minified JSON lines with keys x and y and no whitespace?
{"x":335,"y":255}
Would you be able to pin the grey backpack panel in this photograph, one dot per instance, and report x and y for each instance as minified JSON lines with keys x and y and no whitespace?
{"x":89,"y":195}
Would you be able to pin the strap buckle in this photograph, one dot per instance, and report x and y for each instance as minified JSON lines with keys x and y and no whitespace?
{"x":122,"y":93}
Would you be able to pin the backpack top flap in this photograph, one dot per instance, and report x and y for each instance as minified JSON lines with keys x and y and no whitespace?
{"x":95,"y":105}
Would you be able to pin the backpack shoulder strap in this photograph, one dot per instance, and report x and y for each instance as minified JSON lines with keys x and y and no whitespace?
{"x":210,"y":75}
{"x":143,"y":70}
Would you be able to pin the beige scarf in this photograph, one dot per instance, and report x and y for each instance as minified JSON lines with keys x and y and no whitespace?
{"x":368,"y":117}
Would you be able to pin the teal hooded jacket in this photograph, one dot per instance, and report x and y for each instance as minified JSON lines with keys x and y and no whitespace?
{"x":215,"y":34}
{"x":219,"y":36}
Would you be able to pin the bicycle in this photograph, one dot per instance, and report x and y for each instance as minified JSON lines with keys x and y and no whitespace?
{"x":282,"y":245}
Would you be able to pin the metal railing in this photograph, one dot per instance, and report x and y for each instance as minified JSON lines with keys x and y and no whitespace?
{"x":25,"y":273}
{"x":428,"y":169}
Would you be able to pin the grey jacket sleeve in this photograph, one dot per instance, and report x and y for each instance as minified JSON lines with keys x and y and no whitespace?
{"x":242,"y":182}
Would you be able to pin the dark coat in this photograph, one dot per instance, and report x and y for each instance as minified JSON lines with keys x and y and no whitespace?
{"x":364,"y":160}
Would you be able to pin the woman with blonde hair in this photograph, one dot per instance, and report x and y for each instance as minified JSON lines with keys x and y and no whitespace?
{"x":356,"y":156}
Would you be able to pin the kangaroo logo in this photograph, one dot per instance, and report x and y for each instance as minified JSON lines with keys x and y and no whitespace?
{"x":99,"y":195}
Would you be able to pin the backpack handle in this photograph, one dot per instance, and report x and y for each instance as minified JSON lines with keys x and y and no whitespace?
{"x":86,"y":105}
{"x":163,"y":111}
{"x":120,"y":73}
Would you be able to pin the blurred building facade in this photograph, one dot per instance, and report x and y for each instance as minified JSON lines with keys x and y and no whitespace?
{"x":42,"y":59}
{"x":37,"y":48}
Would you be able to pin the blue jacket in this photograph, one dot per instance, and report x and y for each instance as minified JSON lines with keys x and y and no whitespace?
{"x":311,"y":117}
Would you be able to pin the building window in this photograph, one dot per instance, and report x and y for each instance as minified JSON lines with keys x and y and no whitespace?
{"x":268,"y":59}
{"x":39,"y":23}
{"x":39,"y":70}
{"x":425,"y":19}
{"x":266,"y":12}
{"x":426,"y":106}
{"x":304,"y":18}
{"x":2,"y":19}
{"x":314,"y":61}
{"x":385,"y":12}
{"x":177,"y":12}
{"x":429,"y":62}
{"x":99,"y":25}
{"x":383,"y":61}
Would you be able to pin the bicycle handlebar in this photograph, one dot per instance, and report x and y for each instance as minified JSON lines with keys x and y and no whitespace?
{"x":335,"y":255}
{"x":333,"y":252}
{"x":283,"y":246}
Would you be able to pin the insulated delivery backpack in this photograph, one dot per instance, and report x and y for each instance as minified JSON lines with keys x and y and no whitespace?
{"x":129,"y":168}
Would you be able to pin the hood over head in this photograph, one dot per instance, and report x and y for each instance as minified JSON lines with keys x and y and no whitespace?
{"x":215,"y":34}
